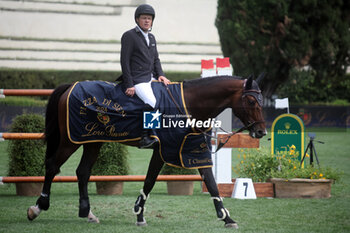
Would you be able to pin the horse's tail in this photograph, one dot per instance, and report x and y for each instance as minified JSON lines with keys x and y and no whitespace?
{"x":52,"y":131}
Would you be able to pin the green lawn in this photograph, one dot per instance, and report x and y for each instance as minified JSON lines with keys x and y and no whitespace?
{"x":184,"y":213}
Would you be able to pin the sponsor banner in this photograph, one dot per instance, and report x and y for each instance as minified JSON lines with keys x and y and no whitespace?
{"x":287,"y":136}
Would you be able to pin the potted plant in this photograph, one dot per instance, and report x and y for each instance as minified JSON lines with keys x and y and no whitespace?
{"x":178,"y":187}
{"x":290,"y":179}
{"x":27,"y":157}
{"x":112,"y":160}
{"x":294,"y":181}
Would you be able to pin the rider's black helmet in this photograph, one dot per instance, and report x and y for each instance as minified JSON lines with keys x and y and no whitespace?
{"x":144,"y":9}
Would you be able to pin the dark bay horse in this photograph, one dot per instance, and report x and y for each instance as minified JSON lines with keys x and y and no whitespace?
{"x":204,"y":98}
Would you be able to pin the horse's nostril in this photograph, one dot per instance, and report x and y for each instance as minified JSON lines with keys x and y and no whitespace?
{"x":261,"y":133}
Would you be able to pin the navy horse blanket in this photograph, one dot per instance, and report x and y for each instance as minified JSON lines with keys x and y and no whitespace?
{"x":99,"y":111}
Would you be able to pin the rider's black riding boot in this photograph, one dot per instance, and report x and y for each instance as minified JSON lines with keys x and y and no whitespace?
{"x":146,"y":141}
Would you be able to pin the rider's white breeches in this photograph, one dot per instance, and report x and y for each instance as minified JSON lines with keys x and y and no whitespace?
{"x":145,"y":93}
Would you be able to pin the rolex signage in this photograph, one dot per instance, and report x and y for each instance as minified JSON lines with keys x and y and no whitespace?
{"x":287,"y":136}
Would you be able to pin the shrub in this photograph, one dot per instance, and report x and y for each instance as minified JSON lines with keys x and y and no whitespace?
{"x":290,"y":168}
{"x":27,"y":157}
{"x":256,"y":164}
{"x":112,"y":160}
{"x":170,"y":170}
{"x":260,"y":165}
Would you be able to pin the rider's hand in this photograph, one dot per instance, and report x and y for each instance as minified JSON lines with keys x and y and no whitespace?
{"x":164,"y":80}
{"x":130,"y":91}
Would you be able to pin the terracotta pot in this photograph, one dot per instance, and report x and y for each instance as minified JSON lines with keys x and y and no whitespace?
{"x":302,"y":188}
{"x":109,"y":188}
{"x":29,"y":189}
{"x":180,"y":187}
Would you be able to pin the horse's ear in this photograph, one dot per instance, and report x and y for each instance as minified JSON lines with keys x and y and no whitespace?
{"x":260,"y":78}
{"x":248,"y":84}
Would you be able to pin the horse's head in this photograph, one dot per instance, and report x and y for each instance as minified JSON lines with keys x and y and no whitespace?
{"x":247,"y":106}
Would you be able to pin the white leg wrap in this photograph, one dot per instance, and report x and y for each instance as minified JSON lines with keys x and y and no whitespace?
{"x":144,"y":195}
{"x":225,"y":213}
{"x":217,"y":198}
{"x":44,"y":195}
{"x":139,"y":211}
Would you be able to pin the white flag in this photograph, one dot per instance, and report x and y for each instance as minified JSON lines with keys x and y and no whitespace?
{"x":282,"y":103}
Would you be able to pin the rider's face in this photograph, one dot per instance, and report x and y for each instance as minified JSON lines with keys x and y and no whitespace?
{"x":145,"y":22}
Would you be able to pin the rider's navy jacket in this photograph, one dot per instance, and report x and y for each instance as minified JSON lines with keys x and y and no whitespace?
{"x":139,"y":61}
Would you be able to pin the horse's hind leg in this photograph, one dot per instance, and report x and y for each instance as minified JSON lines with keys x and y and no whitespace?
{"x":222,"y":213}
{"x":83,"y":172}
{"x":154,"y":168}
{"x":52,"y":165}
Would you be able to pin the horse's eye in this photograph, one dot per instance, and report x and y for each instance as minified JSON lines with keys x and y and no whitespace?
{"x":251,"y":102}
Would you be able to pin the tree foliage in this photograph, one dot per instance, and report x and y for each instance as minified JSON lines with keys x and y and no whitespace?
{"x":278,"y":36}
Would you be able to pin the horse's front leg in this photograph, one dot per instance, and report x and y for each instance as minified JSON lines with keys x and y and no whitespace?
{"x":154,"y":168}
{"x":221,"y":212}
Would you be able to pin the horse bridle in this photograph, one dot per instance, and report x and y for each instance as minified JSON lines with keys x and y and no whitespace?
{"x":255,"y":93}
{"x":258,"y":97}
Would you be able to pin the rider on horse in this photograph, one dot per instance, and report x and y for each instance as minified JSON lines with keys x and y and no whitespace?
{"x":140,"y":63}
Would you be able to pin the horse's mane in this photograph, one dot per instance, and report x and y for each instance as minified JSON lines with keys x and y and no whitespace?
{"x":207,"y":81}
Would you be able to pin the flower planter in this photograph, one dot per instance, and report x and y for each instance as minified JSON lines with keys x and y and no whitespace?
{"x":109,"y":188}
{"x":29,"y":189}
{"x":180,"y":187}
{"x":302,"y":188}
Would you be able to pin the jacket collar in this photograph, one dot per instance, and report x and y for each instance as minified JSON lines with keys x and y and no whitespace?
{"x":140,"y":34}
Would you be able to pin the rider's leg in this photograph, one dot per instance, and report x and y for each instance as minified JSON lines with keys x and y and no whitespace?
{"x":145,"y":93}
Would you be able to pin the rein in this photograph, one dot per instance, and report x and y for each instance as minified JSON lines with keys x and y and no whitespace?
{"x":221,"y":144}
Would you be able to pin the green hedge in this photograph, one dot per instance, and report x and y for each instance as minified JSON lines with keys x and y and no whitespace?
{"x":27,"y":157}
{"x":112,"y":160}
{"x":48,"y":79}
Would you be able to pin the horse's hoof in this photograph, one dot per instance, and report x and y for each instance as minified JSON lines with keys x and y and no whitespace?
{"x":33,"y":212}
{"x":92,"y":218}
{"x":141,"y":224}
{"x":231,"y":225}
